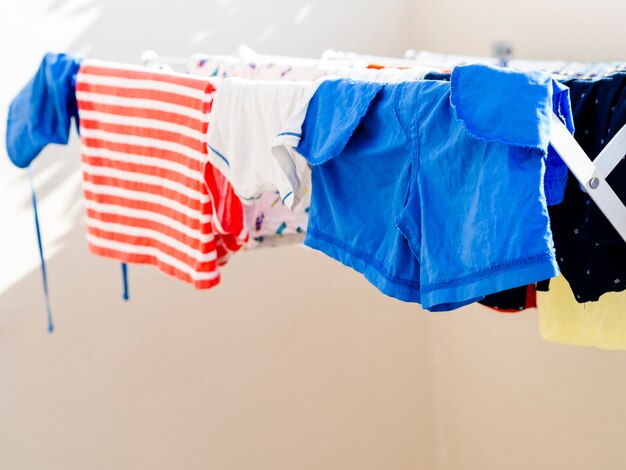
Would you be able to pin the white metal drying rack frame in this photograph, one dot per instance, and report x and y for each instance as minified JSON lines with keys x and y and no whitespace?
{"x":590,"y":174}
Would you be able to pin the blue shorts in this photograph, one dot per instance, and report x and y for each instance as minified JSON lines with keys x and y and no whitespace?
{"x":434,"y":190}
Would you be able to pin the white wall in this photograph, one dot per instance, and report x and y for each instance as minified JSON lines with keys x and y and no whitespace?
{"x":294,"y":362}
{"x":505,"y":400}
{"x":558,"y":29}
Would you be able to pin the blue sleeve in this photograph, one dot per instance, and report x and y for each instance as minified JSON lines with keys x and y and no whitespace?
{"x":42,"y":111}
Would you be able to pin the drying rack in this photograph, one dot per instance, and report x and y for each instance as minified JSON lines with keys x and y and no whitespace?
{"x":590,"y":174}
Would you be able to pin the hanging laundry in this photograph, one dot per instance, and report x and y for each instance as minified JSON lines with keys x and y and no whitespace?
{"x":39,"y":115}
{"x":590,"y":255}
{"x":42,"y":112}
{"x":391,"y":200}
{"x":229,"y":66}
{"x":600,"y":324}
{"x":251,"y":138}
{"x":607,"y":97}
{"x":143,"y":147}
{"x":516,"y":299}
{"x":269,"y":221}
{"x":411,"y":188}
{"x":513,"y":300}
{"x":556,"y":176}
{"x":258,"y":68}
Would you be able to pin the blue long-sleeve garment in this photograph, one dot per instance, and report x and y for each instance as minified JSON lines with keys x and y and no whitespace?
{"x":41,"y":113}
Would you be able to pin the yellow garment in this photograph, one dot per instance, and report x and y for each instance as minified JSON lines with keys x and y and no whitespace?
{"x":563,"y":320}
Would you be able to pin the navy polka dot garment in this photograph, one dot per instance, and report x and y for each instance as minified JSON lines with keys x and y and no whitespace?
{"x":590,"y":253}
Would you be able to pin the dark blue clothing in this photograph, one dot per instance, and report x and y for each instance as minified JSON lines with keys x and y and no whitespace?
{"x":590,"y":253}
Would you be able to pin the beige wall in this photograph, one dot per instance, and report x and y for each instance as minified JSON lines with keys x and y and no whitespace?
{"x":538,"y":29}
{"x":294,"y":362}
{"x":507,"y":400}
{"x":504,"y":399}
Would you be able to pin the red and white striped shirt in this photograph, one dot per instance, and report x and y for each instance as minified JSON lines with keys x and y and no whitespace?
{"x":143,"y":147}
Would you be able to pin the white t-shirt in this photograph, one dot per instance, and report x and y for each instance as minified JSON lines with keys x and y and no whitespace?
{"x":254,"y":129}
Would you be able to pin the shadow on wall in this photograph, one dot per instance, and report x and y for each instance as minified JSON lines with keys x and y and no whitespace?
{"x":121,"y":31}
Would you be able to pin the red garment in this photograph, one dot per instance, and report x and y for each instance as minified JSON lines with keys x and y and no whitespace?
{"x":143,"y":148}
{"x":228,"y":213}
